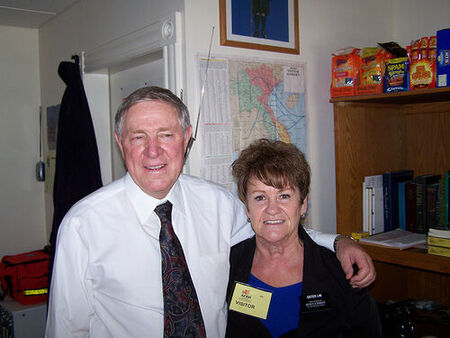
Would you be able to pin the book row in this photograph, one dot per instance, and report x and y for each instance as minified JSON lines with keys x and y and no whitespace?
{"x":401,"y":200}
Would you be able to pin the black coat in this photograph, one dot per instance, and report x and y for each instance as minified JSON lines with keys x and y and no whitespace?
{"x":350,"y":312}
{"x":77,"y":171}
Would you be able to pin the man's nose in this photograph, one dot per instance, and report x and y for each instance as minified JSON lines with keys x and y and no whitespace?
{"x":153,"y":148}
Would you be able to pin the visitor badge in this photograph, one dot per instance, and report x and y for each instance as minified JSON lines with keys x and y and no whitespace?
{"x":250,"y":300}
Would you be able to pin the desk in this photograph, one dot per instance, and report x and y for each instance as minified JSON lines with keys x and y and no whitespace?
{"x":29,"y":320}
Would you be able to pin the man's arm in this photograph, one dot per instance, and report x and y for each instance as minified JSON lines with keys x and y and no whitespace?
{"x":348,"y":252}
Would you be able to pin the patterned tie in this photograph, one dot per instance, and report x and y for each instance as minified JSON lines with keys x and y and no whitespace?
{"x":182,"y":315}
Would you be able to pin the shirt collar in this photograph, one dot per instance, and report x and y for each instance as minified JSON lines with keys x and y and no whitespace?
{"x":175,"y":196}
{"x":144,"y":204}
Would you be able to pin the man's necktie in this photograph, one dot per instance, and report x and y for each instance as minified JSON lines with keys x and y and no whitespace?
{"x":182,"y":315}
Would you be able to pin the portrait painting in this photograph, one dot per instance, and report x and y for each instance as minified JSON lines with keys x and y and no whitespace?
{"x":270,"y":25}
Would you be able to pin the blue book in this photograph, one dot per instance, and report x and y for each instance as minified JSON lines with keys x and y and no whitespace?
{"x":446,"y":206}
{"x":402,"y":205}
{"x":390,"y":192}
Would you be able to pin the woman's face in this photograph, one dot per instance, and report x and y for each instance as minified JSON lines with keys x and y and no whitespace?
{"x":274,"y":213}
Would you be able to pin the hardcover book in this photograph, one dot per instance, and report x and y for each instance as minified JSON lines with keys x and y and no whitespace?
{"x":446,"y":207}
{"x":390,"y":193}
{"x":439,"y":241}
{"x":433,"y":205}
{"x":439,"y":250}
{"x":410,"y":205}
{"x":421,"y":200}
{"x":402,"y":205}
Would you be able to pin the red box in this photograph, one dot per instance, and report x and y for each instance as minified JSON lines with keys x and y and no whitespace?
{"x":344,"y":72}
{"x":422,"y":64}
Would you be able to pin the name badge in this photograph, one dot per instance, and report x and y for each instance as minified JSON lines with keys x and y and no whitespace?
{"x":315,"y":302}
{"x":250,"y":300}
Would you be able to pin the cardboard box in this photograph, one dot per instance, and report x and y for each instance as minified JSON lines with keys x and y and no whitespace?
{"x":422,"y":70}
{"x":344,"y":69}
{"x":443,"y":58}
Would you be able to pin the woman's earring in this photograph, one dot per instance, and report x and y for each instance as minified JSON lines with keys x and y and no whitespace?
{"x":249,"y":220}
{"x":303,"y":216}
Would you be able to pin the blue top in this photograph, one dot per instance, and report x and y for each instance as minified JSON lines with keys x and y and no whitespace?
{"x":284,"y":310}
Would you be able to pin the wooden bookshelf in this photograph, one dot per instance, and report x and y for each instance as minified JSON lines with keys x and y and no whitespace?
{"x":415,"y":96}
{"x":410,"y":274}
{"x":413,"y":258}
{"x":389,"y":132}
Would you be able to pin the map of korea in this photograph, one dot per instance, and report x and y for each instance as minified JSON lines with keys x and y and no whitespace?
{"x":261,"y":107}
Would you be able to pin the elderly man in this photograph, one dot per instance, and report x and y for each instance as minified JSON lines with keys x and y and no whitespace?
{"x":114,"y":273}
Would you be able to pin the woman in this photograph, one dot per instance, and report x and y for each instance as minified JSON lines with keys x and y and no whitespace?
{"x":281,"y":271}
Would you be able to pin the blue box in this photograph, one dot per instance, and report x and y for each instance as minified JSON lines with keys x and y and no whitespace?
{"x":443,"y":58}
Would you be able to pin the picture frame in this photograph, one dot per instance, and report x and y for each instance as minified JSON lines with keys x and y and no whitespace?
{"x":245,"y":24}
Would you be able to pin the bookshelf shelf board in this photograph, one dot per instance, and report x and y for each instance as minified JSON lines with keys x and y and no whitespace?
{"x":415,"y":96}
{"x":413,"y":258}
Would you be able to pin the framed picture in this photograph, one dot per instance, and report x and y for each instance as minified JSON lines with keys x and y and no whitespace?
{"x":270,"y":25}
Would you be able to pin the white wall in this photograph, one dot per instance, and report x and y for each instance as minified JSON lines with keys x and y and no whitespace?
{"x":415,"y":19}
{"x":325,"y":25}
{"x":22,"y":223}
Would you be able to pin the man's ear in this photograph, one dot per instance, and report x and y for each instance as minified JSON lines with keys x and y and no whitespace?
{"x":119,"y":144}
{"x":187,"y":137}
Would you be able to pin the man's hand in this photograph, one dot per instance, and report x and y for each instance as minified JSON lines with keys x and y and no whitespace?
{"x":349,"y":252}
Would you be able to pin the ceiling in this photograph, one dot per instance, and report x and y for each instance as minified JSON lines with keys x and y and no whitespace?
{"x":31,"y":13}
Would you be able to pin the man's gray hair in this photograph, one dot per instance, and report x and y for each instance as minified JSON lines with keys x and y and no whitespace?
{"x":152,"y":94}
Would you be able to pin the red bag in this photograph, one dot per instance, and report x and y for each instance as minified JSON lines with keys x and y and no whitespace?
{"x":24,"y":277}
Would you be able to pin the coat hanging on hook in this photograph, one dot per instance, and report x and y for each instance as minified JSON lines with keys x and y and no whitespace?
{"x":76,"y":59}
{"x":77,"y":171}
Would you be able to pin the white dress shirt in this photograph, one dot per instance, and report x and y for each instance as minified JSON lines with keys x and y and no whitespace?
{"x":107,"y":271}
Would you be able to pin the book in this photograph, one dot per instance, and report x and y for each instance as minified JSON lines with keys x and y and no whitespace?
{"x":443,"y":233}
{"x":438,"y":250}
{"x":438,"y":241}
{"x":397,"y":239}
{"x":367,"y":208}
{"x":373,"y":206}
{"x":442,"y":204}
{"x":421,"y":200}
{"x":402,"y":205}
{"x":432,"y":204}
{"x":410,"y":205}
{"x":446,"y":205}
{"x":390,"y":194}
